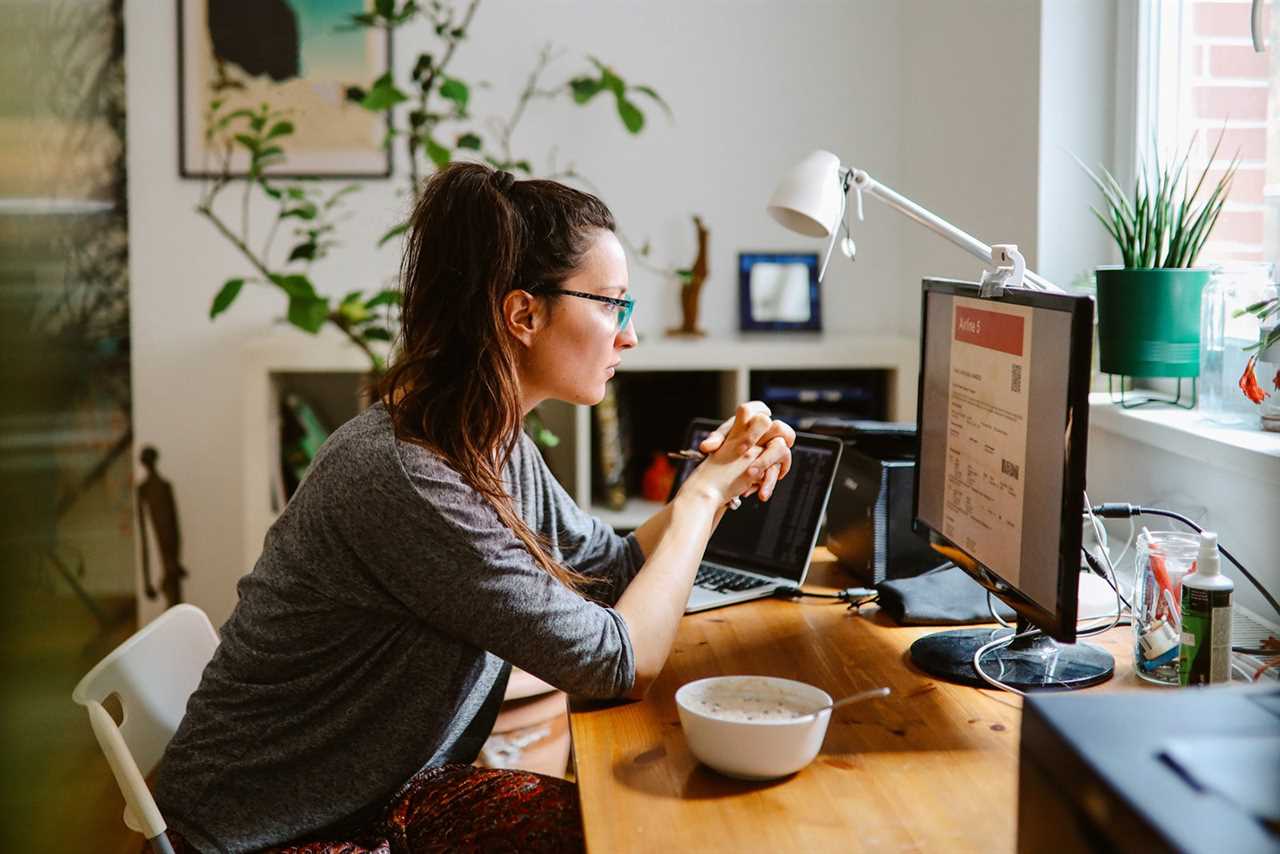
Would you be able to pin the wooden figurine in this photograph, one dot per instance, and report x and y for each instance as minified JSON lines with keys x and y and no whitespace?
{"x":157,"y":507}
{"x":691,"y":287}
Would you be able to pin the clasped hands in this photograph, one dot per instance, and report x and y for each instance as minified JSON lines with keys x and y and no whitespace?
{"x":747,"y":454}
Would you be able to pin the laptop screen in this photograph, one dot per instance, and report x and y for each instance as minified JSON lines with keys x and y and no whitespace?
{"x":777,"y":536}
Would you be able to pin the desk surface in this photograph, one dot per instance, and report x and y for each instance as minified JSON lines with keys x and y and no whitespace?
{"x":932,"y":767}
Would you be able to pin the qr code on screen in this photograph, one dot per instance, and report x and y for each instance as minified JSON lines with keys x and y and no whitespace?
{"x":1015,"y":380}
{"x":1008,"y":468}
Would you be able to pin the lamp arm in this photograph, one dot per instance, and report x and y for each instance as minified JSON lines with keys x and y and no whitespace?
{"x":864,"y":182}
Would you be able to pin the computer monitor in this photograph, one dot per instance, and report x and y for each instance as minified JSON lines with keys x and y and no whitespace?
{"x":1003,"y":414}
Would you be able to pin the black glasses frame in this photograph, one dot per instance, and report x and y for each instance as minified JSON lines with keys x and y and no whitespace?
{"x":625,"y":306}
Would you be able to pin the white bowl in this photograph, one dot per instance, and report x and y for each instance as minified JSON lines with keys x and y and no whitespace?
{"x":753,"y":727}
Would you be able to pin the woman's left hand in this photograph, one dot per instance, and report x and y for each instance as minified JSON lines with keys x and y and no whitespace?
{"x":777,"y":436}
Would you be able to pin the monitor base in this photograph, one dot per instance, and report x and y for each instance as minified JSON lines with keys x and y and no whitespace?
{"x":1030,"y":664}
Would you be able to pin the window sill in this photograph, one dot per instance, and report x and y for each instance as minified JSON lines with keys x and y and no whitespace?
{"x":1249,"y":452}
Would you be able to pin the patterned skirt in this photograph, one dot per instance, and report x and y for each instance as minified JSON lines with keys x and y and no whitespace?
{"x":461,"y":808}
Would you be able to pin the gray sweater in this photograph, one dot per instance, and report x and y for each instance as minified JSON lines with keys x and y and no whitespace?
{"x":383,"y":611}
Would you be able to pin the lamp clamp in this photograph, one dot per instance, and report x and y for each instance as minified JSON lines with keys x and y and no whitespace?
{"x":1010,"y":269}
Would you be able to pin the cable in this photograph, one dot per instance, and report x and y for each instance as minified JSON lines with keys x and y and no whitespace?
{"x":855,"y":596}
{"x":1004,"y":640}
{"x":1116,"y":510}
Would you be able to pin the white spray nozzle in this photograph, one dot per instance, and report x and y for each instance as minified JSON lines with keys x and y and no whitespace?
{"x":1207,"y":563}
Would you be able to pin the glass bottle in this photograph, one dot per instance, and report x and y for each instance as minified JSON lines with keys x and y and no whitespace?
{"x":1267,"y":368}
{"x":1223,"y":339}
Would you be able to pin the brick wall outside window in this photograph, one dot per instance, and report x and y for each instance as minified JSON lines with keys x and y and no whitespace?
{"x":1232,"y":85}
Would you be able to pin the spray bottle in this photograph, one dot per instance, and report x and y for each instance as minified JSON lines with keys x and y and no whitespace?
{"x":1205,"y":654}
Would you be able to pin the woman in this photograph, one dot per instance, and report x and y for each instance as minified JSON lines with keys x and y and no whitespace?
{"x":429,"y":549}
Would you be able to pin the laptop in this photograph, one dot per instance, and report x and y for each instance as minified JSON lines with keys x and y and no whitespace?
{"x":764,"y":545}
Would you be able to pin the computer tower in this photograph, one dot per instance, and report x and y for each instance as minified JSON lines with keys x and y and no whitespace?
{"x":869,"y":512}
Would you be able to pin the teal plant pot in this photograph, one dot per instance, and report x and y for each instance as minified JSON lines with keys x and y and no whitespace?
{"x":1149,"y":321}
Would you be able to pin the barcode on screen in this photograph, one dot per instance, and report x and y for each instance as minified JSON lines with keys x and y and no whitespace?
{"x":1015,"y":379}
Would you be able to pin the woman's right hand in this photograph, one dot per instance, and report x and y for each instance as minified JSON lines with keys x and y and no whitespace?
{"x":739,"y":464}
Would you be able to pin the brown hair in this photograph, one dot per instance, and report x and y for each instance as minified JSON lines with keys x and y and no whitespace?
{"x":475,"y":236}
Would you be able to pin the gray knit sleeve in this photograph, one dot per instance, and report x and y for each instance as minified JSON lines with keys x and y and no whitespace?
{"x":441,"y":550}
{"x":583,"y":541}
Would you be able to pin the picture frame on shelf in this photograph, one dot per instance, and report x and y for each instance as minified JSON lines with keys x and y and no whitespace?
{"x":298,"y":57}
{"x":779,"y":292}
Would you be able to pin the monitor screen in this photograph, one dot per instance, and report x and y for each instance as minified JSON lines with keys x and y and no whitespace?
{"x":774,"y":537}
{"x":1003,"y":419}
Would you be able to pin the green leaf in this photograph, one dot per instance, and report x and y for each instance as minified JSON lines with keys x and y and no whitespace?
{"x":375,"y":333}
{"x":340,"y":194}
{"x":632,"y":118}
{"x":648,"y":90}
{"x":303,"y":252}
{"x":305,"y":211}
{"x":364,"y":19}
{"x":282,"y":128}
{"x":422,"y":68}
{"x":469,"y":140}
{"x":438,"y":153}
{"x":352,"y":296}
{"x":393,"y":233}
{"x":271,"y":191}
{"x":584,"y":89}
{"x":613,"y":83}
{"x":353,"y":312}
{"x":384,"y":95}
{"x":384,"y":8}
{"x":296,"y":286}
{"x":388,"y":297}
{"x":226,"y":296}
{"x":356,"y":94}
{"x":455,"y":90}
{"x":308,"y":312}
{"x":249,"y":142}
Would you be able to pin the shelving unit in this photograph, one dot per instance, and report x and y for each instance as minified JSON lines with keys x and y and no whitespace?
{"x":277,"y":363}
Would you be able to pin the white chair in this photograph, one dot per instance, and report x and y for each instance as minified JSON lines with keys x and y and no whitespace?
{"x":153,"y":673}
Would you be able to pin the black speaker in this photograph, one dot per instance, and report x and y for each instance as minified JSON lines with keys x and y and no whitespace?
{"x":869,"y":512}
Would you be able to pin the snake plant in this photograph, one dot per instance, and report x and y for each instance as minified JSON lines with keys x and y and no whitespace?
{"x":1167,"y":221}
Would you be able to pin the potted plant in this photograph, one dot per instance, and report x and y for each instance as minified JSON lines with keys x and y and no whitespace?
{"x":1149,"y":307}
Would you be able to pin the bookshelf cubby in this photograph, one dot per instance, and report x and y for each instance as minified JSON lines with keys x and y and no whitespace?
{"x":665,"y":381}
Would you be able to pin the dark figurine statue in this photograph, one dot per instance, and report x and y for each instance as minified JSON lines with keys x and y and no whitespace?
{"x":691,"y":287}
{"x":157,"y":508}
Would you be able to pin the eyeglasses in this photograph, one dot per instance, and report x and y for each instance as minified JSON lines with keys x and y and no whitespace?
{"x":625,"y":306}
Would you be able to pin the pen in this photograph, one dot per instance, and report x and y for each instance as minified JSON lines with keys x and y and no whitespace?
{"x":690,"y":455}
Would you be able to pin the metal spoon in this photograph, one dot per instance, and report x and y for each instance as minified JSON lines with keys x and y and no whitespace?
{"x":852,"y":698}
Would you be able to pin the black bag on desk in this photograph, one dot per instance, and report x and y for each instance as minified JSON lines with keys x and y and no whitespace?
{"x":869,"y":512}
{"x":947,"y":596}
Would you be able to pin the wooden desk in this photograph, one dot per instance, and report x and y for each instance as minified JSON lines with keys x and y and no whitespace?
{"x":932,"y":767}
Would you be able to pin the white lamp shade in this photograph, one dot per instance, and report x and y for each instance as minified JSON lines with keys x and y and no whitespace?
{"x":807,"y":200}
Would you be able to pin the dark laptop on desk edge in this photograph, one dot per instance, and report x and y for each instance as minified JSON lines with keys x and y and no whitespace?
{"x":764,"y":545}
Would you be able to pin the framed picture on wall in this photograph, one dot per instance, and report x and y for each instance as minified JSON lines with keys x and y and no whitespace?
{"x":299,"y":56}
{"x":778,"y":292}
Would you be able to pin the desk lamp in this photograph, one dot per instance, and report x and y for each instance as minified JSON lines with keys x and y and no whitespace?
{"x":812,"y":199}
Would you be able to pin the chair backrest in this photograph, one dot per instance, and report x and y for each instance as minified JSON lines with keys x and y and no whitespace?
{"x":153,"y":673}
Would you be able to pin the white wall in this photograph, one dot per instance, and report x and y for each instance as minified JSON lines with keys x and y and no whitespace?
{"x":1077,"y":106}
{"x":753,"y":85}
{"x":970,"y":136}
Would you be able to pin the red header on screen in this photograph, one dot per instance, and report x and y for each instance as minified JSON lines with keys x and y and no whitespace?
{"x":989,"y":329}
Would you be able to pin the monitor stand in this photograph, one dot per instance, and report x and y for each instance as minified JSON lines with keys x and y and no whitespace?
{"x":1035,"y":663}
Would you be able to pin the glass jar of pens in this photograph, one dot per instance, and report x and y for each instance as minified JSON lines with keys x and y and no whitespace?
{"x":1163,"y":559}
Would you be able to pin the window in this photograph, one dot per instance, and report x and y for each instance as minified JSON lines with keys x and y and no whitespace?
{"x":1204,"y":76}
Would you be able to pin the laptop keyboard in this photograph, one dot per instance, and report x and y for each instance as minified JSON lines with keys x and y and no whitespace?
{"x":723,"y":580}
